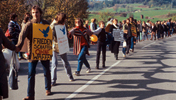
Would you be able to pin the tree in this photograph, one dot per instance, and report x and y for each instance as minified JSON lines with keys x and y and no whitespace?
{"x":105,"y":15}
{"x":116,"y":8}
{"x":11,"y":6}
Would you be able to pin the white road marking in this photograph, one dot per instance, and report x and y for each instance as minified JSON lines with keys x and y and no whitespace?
{"x":96,"y":77}
{"x":148,"y":45}
{"x":90,"y":82}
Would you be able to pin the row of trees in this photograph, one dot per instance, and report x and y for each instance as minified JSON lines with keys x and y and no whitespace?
{"x":73,"y":9}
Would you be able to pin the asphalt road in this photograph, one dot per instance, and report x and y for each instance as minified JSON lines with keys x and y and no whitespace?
{"x":147,"y":74}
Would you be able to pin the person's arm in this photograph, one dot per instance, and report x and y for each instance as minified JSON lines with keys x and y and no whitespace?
{"x":6,"y":43}
{"x":89,"y":32}
{"x":125,"y":30}
{"x":25,"y":31}
{"x":97,"y":31}
{"x":54,"y":33}
{"x":70,"y":33}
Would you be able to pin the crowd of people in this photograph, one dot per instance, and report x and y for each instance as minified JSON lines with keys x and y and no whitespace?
{"x":133,"y":31}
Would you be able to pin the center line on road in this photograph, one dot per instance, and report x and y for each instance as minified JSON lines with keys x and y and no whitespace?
{"x":90,"y":82}
{"x":148,"y":45}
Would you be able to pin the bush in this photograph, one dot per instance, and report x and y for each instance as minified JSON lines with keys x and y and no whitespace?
{"x":131,"y":15}
{"x":123,"y":14}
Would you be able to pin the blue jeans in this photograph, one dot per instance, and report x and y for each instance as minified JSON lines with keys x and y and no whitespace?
{"x":55,"y":65}
{"x":31,"y":76}
{"x":144,"y":34}
{"x":124,"y":50}
{"x":82,"y":59}
{"x":132,"y":43}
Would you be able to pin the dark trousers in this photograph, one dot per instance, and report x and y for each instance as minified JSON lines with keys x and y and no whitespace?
{"x":101,"y":46}
{"x":31,"y":76}
{"x":158,"y":34}
{"x":128,"y":41}
{"x":162,"y":34}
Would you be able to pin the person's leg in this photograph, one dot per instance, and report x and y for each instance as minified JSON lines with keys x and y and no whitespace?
{"x":151,"y":36}
{"x":117,"y":44}
{"x":158,"y":34}
{"x":132,"y":43}
{"x":66,"y":65}
{"x":81,"y":58}
{"x":143,"y":36}
{"x":103,"y":54}
{"x":47,"y":75}
{"x":31,"y":78}
{"x":54,"y":68}
{"x":98,"y":54}
{"x":146,"y":34}
{"x":86,"y":63}
{"x":128,"y":44}
{"x":154,"y":36}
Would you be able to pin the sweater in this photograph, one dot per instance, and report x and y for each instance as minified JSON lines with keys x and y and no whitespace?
{"x":14,"y":30}
{"x":79,"y":40}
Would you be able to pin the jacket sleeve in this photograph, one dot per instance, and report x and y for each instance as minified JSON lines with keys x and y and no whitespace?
{"x":97,"y":31}
{"x":23,"y":34}
{"x":6,"y":42}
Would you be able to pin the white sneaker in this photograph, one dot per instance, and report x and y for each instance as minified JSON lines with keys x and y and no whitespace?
{"x":88,"y":70}
{"x":124,"y":55}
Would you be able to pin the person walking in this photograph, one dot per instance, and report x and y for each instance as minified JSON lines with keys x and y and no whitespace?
{"x":60,"y":20}
{"x":127,"y":30}
{"x":27,"y":32}
{"x":86,"y":25}
{"x":14,"y":28}
{"x":93,"y":25}
{"x":159,"y":30}
{"x":3,"y":77}
{"x":133,"y":32}
{"x":81,"y":44}
{"x":144,"y":31}
{"x":101,"y":44}
{"x":154,"y":29}
{"x":114,"y":47}
{"x":26,"y":19}
{"x":125,"y":39}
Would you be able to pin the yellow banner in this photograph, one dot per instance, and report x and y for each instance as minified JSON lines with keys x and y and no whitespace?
{"x":41,"y":42}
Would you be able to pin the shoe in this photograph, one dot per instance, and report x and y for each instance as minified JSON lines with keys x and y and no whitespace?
{"x":97,"y":67}
{"x":77,"y":73}
{"x":71,"y":79}
{"x":88,"y":71}
{"x":53,"y":83}
{"x":103,"y":66}
{"x":29,"y":98}
{"x":48,"y":92}
{"x":124,"y":55}
{"x":19,"y":58}
{"x":116,"y":57}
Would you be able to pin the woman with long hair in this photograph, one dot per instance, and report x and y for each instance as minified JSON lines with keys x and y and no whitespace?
{"x":81,"y":44}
